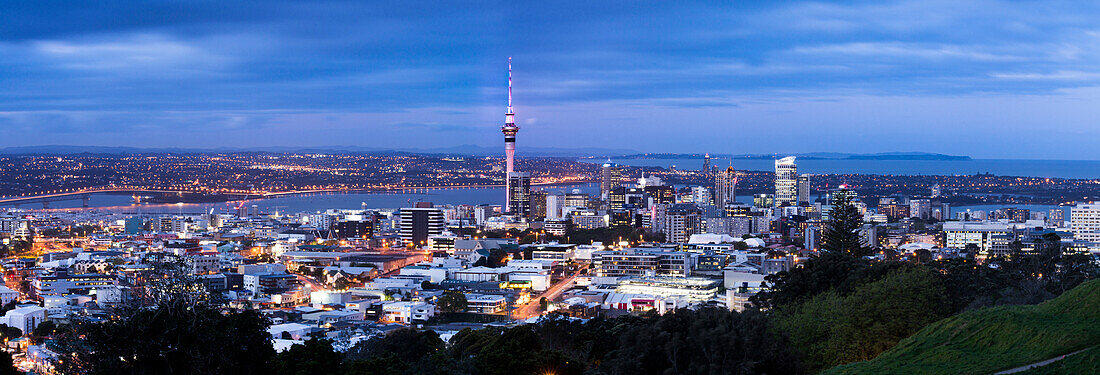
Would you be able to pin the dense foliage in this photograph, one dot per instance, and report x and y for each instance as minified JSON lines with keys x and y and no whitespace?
{"x":833,"y":329}
{"x":452,"y":301}
{"x":840,"y":307}
{"x":998,"y":338}
{"x":707,"y":341}
{"x":841,"y":235}
{"x":171,"y":338}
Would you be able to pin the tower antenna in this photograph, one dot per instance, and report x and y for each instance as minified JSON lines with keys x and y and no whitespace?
{"x":510,"y":84}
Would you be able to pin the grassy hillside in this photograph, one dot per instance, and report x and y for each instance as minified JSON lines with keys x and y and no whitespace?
{"x":994,"y":339}
{"x":1086,"y":362}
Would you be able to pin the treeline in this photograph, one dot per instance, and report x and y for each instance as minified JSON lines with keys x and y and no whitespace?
{"x":841,"y":307}
{"x":175,"y":338}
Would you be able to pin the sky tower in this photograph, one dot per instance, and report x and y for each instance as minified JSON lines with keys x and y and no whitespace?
{"x":509,"y":129}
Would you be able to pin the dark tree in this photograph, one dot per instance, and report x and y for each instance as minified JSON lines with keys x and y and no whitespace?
{"x":174,"y":337}
{"x":841,"y":235}
{"x":707,"y":341}
{"x":403,"y":351}
{"x":45,"y":329}
{"x":7,"y":366}
{"x":831,"y":329}
{"x":452,"y":301}
{"x":314,"y":357}
{"x":10,"y":333}
{"x":818,"y":275}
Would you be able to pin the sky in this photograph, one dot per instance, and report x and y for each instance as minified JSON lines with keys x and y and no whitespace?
{"x":988,"y":79}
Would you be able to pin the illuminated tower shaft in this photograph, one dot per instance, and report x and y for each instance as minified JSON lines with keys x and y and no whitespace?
{"x":509,"y":129}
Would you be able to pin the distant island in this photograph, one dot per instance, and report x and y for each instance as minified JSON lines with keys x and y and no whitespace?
{"x":806,"y":156}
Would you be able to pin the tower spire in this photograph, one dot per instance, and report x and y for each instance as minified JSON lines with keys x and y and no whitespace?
{"x":509,"y":84}
{"x":509,"y":129}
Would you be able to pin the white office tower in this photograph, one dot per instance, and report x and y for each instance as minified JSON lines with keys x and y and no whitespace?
{"x":1084,"y":222}
{"x":554,"y":204}
{"x":786,"y":182}
{"x":920,"y":208}
{"x":700,"y":195}
{"x":725,"y":187}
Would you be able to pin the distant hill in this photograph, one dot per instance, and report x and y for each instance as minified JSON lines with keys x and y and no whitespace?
{"x":465,"y":150}
{"x":805,"y":156}
{"x":994,"y":339}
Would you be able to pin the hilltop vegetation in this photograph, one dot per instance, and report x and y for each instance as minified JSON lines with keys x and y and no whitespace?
{"x":1086,"y":362}
{"x":997,"y":338}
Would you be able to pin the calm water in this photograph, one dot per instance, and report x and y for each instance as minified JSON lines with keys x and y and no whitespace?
{"x":321,"y":202}
{"x":312,"y":202}
{"x":1001,"y":167}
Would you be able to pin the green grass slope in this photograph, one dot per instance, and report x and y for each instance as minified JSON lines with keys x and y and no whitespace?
{"x":993,"y":339}
{"x":1086,"y":362}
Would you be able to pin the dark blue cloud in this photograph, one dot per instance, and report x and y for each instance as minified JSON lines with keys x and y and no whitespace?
{"x":311,"y":73}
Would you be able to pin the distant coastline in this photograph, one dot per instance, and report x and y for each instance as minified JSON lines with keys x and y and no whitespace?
{"x":807,"y":156}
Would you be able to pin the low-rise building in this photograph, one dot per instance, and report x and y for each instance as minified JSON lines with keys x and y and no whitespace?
{"x":407,"y":312}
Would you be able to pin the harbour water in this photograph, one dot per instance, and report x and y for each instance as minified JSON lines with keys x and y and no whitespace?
{"x":1085,"y":169}
{"x":309,"y":202}
{"x":374,"y":200}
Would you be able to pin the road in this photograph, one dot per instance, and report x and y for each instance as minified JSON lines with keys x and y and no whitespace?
{"x":532,"y":308}
{"x":313,"y":285}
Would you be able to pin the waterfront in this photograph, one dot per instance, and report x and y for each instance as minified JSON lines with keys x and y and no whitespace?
{"x":1085,"y":169}
{"x":315,"y":202}
{"x":311,"y":202}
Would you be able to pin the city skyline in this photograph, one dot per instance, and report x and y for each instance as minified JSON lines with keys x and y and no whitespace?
{"x":830,"y":77}
{"x":292,"y":187}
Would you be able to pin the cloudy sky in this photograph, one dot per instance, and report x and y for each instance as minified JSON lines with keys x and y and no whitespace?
{"x":992,"y":79}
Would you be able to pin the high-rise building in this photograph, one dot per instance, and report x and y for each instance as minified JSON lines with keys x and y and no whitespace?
{"x":353,"y":229}
{"x":680,"y":221}
{"x":519,"y":194}
{"x":702,"y":196}
{"x":1084,"y":222}
{"x":706,"y":165}
{"x":920,"y":208}
{"x":576,"y":199}
{"x":611,"y":177}
{"x":811,"y":237}
{"x":617,"y":199}
{"x":804,"y":189}
{"x":1056,"y":217}
{"x":663,"y":194}
{"x":763,"y":200}
{"x":725,"y":187}
{"x":417,"y":224}
{"x":509,"y":129}
{"x":538,"y":204}
{"x":554,"y":203}
{"x":786,"y":182}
